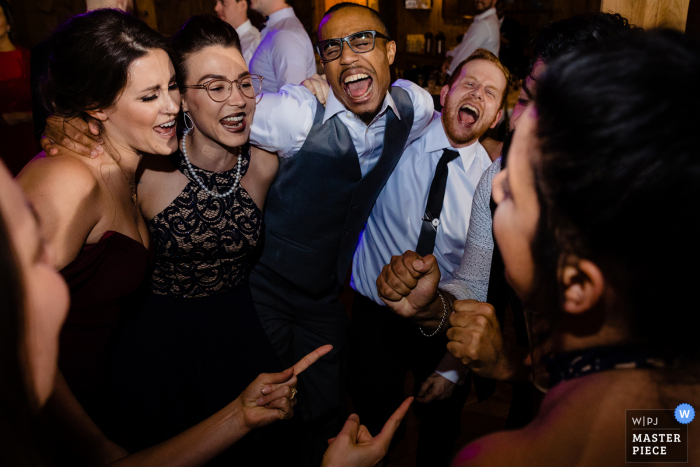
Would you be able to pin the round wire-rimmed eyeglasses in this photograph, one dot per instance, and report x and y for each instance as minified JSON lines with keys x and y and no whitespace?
{"x":220,"y":89}
{"x":359,"y":42}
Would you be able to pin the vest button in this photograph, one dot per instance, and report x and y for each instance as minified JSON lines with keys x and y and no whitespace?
{"x":355,"y":206}
{"x":347,"y":232}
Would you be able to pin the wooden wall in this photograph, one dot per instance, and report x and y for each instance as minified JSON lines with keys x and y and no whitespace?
{"x":651,"y":13}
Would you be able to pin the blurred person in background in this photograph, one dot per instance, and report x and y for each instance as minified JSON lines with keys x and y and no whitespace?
{"x":484,"y":33}
{"x":512,"y":51}
{"x":285,"y":54}
{"x":235,"y":13}
{"x":18,"y":146}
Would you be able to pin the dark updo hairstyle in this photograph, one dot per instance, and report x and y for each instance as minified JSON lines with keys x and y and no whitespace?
{"x":197,"y":33}
{"x":619,"y":180}
{"x":90,"y":59}
{"x":18,"y":405}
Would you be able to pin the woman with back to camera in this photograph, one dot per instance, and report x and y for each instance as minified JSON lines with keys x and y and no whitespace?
{"x":90,"y":209}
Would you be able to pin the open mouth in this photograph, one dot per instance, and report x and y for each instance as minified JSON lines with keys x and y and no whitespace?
{"x":166,"y":130}
{"x":468,"y":115}
{"x":234,"y":123}
{"x":358,"y":85}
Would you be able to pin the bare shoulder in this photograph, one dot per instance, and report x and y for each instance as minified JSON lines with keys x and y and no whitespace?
{"x":263,"y":164}
{"x":67,"y":178}
{"x":159,"y":182}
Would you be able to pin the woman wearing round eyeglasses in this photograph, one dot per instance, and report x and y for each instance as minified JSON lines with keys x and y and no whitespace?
{"x":197,"y":340}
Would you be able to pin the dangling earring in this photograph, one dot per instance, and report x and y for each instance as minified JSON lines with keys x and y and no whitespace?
{"x":186,"y":116}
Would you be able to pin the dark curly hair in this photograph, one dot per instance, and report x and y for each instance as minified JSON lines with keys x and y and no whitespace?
{"x":569,"y":34}
{"x":619,"y":179}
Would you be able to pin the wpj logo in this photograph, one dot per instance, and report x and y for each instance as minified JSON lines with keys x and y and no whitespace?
{"x":658,"y":435}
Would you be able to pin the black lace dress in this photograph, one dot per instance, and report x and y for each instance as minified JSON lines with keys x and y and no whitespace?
{"x":197,"y":342}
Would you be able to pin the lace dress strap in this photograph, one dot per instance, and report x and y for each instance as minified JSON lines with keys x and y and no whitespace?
{"x":205,"y":244}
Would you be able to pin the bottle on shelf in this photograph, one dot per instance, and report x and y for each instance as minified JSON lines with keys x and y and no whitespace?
{"x":428,"y":43}
{"x":439,"y":43}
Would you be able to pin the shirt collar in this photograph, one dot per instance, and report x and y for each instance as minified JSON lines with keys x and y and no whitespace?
{"x":279,"y":15}
{"x":485,"y":14}
{"x":334,"y":106}
{"x":244,"y":28}
{"x":436,"y":140}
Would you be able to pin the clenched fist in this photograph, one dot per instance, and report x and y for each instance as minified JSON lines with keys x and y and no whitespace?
{"x":476,"y":339}
{"x":408,"y":286}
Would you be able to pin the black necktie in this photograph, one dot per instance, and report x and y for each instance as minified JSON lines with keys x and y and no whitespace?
{"x":436,"y":195}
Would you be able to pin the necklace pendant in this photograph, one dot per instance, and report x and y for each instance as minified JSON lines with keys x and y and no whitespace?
{"x":134,"y":199}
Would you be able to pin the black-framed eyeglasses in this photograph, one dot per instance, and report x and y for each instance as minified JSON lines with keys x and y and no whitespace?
{"x":359,"y":42}
{"x":220,"y":89}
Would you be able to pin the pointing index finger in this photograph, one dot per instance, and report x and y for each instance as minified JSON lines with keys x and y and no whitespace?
{"x":309,"y":359}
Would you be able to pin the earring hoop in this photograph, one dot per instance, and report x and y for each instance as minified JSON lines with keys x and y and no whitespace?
{"x":186,"y":116}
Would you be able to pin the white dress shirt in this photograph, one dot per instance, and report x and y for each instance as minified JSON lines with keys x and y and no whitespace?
{"x":285,"y":54}
{"x":395,"y":222}
{"x":485,"y":33}
{"x":283,"y":120}
{"x":250,"y":38}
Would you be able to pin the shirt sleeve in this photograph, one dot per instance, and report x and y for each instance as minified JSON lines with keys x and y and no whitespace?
{"x":292,"y":57}
{"x":423,"y":109}
{"x":471,"y":281}
{"x":452,"y":369}
{"x":475,"y":36}
{"x":282,"y":120}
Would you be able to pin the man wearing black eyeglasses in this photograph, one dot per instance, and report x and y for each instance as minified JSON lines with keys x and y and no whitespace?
{"x":333,"y":163}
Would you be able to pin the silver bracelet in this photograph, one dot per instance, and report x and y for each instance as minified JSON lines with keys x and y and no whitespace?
{"x":442,"y":321}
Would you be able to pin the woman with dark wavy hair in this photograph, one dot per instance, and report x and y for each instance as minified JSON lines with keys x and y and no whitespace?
{"x":112,"y":70}
{"x":35,"y":303}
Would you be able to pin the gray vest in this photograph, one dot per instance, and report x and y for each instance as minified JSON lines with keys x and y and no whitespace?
{"x":319,"y":203}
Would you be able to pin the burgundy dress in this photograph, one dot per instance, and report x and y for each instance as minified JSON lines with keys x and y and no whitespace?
{"x":105,"y":280}
{"x":18,"y":144}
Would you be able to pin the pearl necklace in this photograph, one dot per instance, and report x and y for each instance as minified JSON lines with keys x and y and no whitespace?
{"x":199,"y":180}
